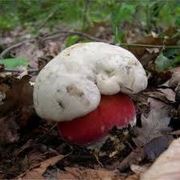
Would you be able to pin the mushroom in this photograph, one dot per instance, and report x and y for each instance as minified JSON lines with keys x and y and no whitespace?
{"x":83,"y":89}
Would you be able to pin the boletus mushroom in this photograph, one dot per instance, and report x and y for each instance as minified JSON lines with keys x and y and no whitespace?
{"x":85,"y":89}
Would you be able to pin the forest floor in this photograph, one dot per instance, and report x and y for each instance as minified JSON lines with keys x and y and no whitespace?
{"x":30,"y":147}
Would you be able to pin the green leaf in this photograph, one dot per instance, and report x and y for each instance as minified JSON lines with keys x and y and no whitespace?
{"x":14,"y":63}
{"x":70,"y":40}
{"x":163,"y":62}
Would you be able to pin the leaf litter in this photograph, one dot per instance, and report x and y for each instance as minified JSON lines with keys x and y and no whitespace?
{"x":29,"y":147}
{"x":154,"y":123}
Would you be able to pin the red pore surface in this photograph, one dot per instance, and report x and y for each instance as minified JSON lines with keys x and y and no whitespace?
{"x":117,"y":110}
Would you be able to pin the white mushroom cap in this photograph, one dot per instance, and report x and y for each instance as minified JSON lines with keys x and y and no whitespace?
{"x":71,"y":85}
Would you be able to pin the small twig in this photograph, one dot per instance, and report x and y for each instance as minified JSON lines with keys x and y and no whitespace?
{"x":151,"y":46}
{"x":134,"y":157}
{"x":67,"y":33}
{"x":41,"y":138}
{"x":177,"y":133}
{"x":87,"y":36}
{"x":3,"y":53}
{"x":20,"y":71}
{"x":96,"y":155}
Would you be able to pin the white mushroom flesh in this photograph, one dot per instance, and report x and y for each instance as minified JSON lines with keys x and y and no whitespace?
{"x":71,"y":85}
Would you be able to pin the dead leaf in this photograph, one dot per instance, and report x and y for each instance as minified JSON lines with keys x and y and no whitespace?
{"x":101,"y":30}
{"x":12,"y":88}
{"x":134,"y":157}
{"x":42,"y":61}
{"x":166,"y":167}
{"x":27,"y":145}
{"x":37,"y":173}
{"x":140,"y":51}
{"x":52,"y":48}
{"x":86,"y":173}
{"x":165,"y":95}
{"x":138,"y":169}
{"x":157,"y":78}
{"x":152,"y":50}
{"x":3,"y":89}
{"x":31,"y":160}
{"x":17,"y":97}
{"x":29,"y":51}
{"x":133,"y":177}
{"x":175,"y":79}
{"x":153,"y":123}
{"x":168,"y":93}
{"x":177,"y":96}
{"x":156,"y":146}
{"x":8,"y":130}
{"x":153,"y":40}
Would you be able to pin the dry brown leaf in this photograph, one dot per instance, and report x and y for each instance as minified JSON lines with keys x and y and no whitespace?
{"x":177,"y":97}
{"x":133,"y":177}
{"x":18,"y":93}
{"x":168,"y":93}
{"x":88,"y":174}
{"x":157,"y":78}
{"x":140,"y":51}
{"x":17,"y":98}
{"x":153,"y":123}
{"x":28,"y":144}
{"x":52,"y":48}
{"x":8,"y":130}
{"x":175,"y":79}
{"x":29,"y":51}
{"x":154,"y":39}
{"x":37,"y":173}
{"x":134,"y":157}
{"x":166,"y":167}
{"x":137,"y":169}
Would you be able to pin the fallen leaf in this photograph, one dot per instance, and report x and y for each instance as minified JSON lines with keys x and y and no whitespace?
{"x":8,"y":130}
{"x":153,"y":123}
{"x":152,"y":50}
{"x":52,"y":48}
{"x":133,"y":177}
{"x":175,"y":79}
{"x":158,"y":78}
{"x":27,"y":145}
{"x":177,"y":96}
{"x":166,"y":167}
{"x":138,"y":169}
{"x":168,"y":93}
{"x":37,"y":173}
{"x":14,"y":63}
{"x":86,"y":173}
{"x":156,"y":146}
{"x":140,"y":51}
{"x":17,"y":96}
{"x":162,"y":62}
{"x":134,"y":157}
{"x":154,"y":40}
{"x":3,"y":89}
{"x":29,"y":51}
